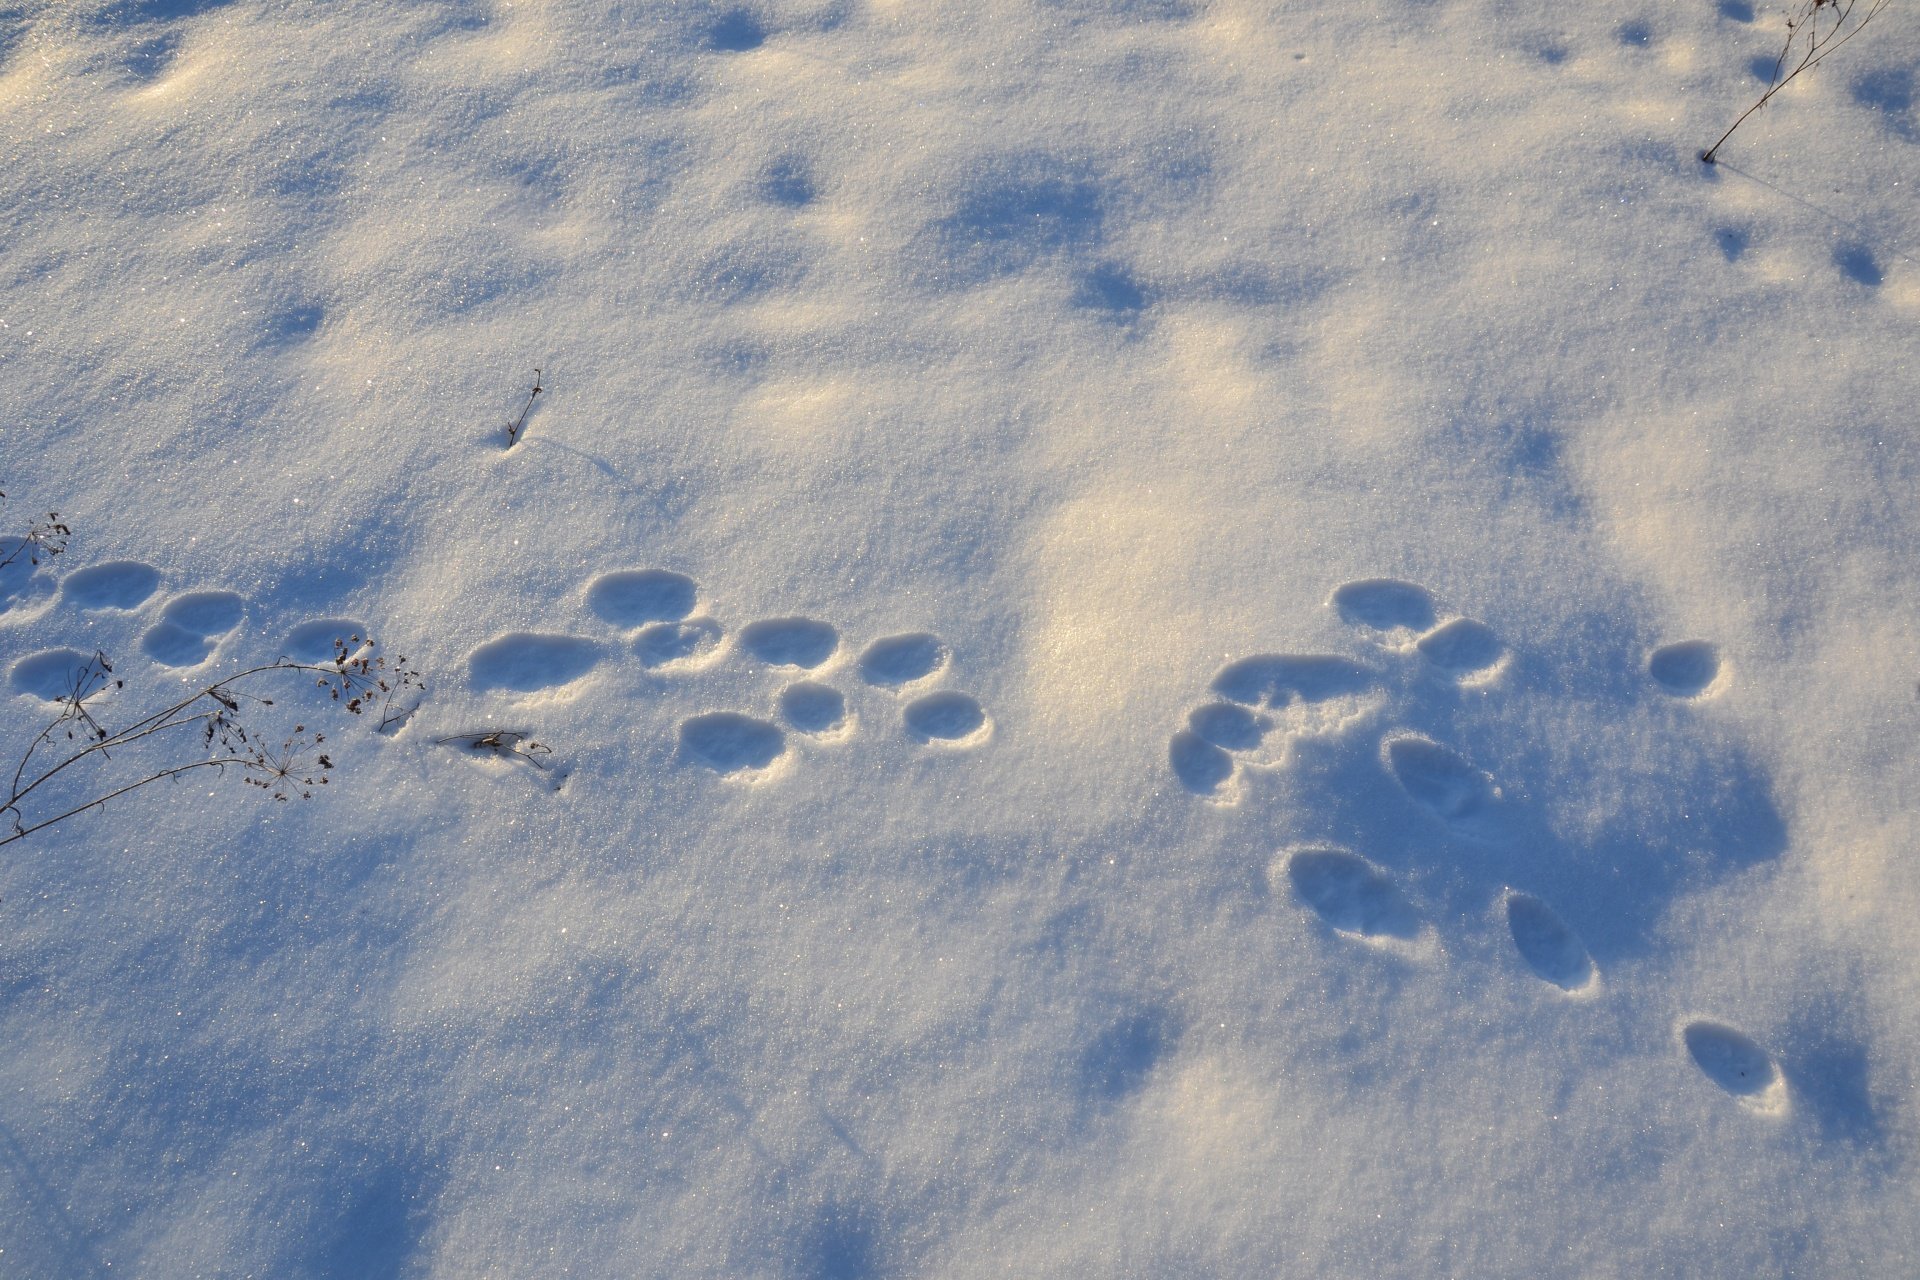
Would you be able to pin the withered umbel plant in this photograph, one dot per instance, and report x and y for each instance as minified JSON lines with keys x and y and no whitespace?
{"x":79,"y":758}
{"x":43,"y":540}
{"x":1815,"y":29}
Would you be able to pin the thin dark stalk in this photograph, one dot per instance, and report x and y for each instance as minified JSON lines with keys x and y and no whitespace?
{"x":518,"y":424}
{"x":1805,"y":24}
{"x":21,"y":833}
{"x":213,"y":711}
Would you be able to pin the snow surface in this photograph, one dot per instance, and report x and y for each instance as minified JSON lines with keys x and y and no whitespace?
{"x":1179,"y":638}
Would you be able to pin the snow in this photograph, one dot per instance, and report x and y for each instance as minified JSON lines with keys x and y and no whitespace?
{"x":1187,"y":637}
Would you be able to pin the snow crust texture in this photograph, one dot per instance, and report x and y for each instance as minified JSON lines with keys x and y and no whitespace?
{"x":1062,"y":638}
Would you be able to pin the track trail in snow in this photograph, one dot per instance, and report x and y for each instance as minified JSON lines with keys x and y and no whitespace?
{"x":1355,"y":721}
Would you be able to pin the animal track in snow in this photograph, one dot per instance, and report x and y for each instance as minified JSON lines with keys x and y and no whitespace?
{"x":1349,"y":893}
{"x":51,"y":674}
{"x":319,"y":641}
{"x":670,"y":633}
{"x":1270,"y":700}
{"x":729,"y":742}
{"x":1366,"y":741}
{"x":1440,"y":780}
{"x":1736,"y":1064}
{"x":1277,"y":680}
{"x":117,"y":584}
{"x":903,"y":659}
{"x":1202,"y":767}
{"x":1463,"y":648}
{"x":635,"y":597}
{"x":678,"y":645}
{"x":948,"y":718}
{"x":1688,"y":669}
{"x":531,"y":662}
{"x":1547,"y":945}
{"x":814,"y":709}
{"x":191,"y":626}
{"x":1385,"y":604}
{"x":790,"y":642}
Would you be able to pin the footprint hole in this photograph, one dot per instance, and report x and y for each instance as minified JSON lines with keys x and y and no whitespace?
{"x":1735,"y":1063}
{"x":635,"y":597}
{"x":1350,"y":894}
{"x":1228,"y":726}
{"x":1686,"y":669}
{"x":530,"y":662}
{"x":1438,"y":778}
{"x":1273,"y":681}
{"x":667,"y":644}
{"x":790,"y":642}
{"x":944,"y":717}
{"x":204,"y":613}
{"x":728,"y":742}
{"x":322,"y":639}
{"x":172,"y":646}
{"x":813,"y":708}
{"x":902,"y":659}
{"x":1201,"y":767}
{"x":1546,"y":944}
{"x":52,"y":674}
{"x":1385,"y":604}
{"x":1462,"y":647}
{"x":118,"y":584}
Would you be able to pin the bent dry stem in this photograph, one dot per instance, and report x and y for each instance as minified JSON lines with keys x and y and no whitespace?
{"x":355,"y":678}
{"x":1805,"y":29}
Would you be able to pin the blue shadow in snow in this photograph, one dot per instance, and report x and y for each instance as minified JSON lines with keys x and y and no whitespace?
{"x":1889,"y":90}
{"x":381,"y":1213}
{"x":1118,"y":1061}
{"x":1109,"y":288}
{"x":1858,"y":264}
{"x":840,"y":1243}
{"x":1664,"y":802}
{"x":1013,"y":212}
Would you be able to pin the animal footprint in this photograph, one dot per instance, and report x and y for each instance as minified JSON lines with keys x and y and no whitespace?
{"x":1464,"y":649}
{"x":1689,"y":669}
{"x":814,"y":709}
{"x":118,"y":584}
{"x":1550,"y":949}
{"x":790,"y":642}
{"x":678,"y":645}
{"x":1736,"y":1064}
{"x":1385,"y":604}
{"x":728,"y":742}
{"x":667,"y":632}
{"x":634,"y":597}
{"x":531,"y":662}
{"x":319,"y":641}
{"x":1440,"y":780}
{"x":1270,"y":700}
{"x":1203,"y":767}
{"x":190,"y":626}
{"x":903,"y":659}
{"x":1352,"y":895}
{"x":950,"y":719}
{"x":51,"y":675}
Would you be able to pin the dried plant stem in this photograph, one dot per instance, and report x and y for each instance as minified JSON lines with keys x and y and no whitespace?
{"x":359,"y":681}
{"x":1804,"y":30}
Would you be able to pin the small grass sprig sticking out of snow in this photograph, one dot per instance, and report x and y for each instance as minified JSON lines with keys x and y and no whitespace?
{"x":1816,"y":29}
{"x":519,"y":424}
